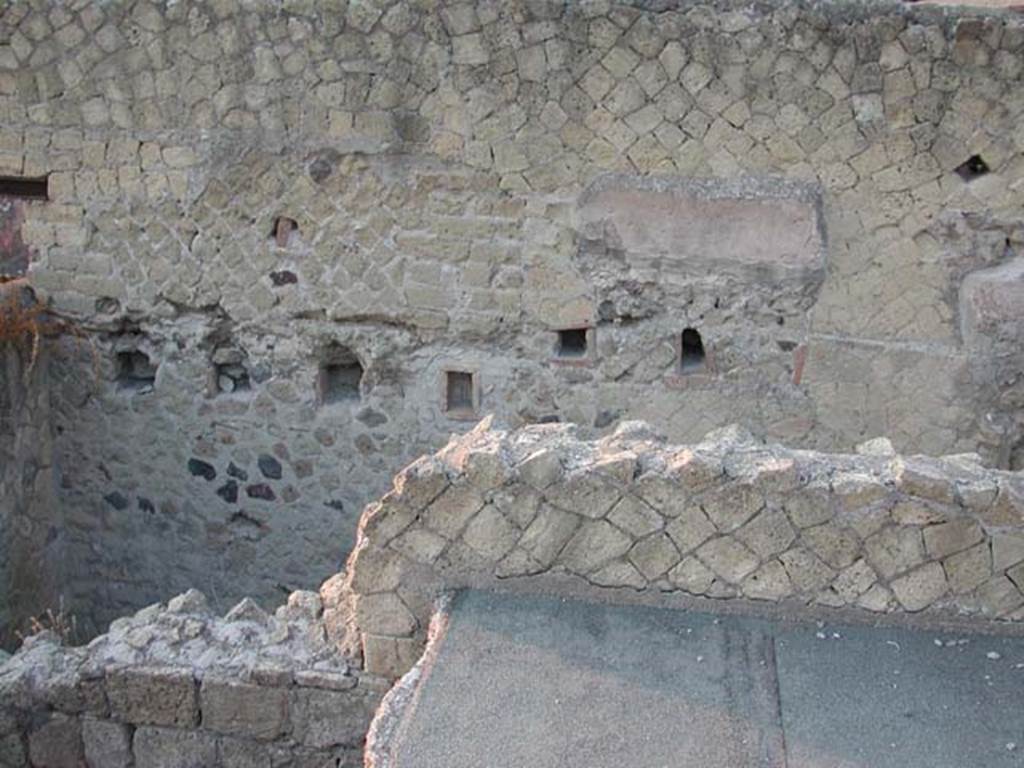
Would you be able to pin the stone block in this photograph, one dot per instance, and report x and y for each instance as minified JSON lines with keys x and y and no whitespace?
{"x":969,"y":569}
{"x":585,"y":493}
{"x":806,"y":571}
{"x":769,"y":582}
{"x":490,"y":533}
{"x":450,"y":512}
{"x":833,"y":543}
{"x":594,"y":543}
{"x":920,"y":588}
{"x":173,"y":748}
{"x":729,"y":559}
{"x":854,"y":490}
{"x":330,"y":718}
{"x":693,"y":471}
{"x":239,"y":753}
{"x":541,"y":468}
{"x":384,"y":613}
{"x":57,"y":743}
{"x":547,"y":534}
{"x":895,"y":550}
{"x":375,"y":569}
{"x":999,"y":597}
{"x":1016,"y":575}
{"x":322,"y":678}
{"x":243,"y":709}
{"x":654,"y":555}
{"x":732,"y":506}
{"x":854,"y":581}
{"x":768,"y":534}
{"x":915,"y":512}
{"x":420,"y":545}
{"x":1008,"y":508}
{"x":1007,"y":550}
{"x":153,"y":696}
{"x":634,"y":517}
{"x":618,"y":574}
{"x":925,"y":479}
{"x":877,"y":599}
{"x":690,"y":528}
{"x":107,"y":744}
{"x":691,"y":575}
{"x":519,"y":504}
{"x":390,"y":657}
{"x":953,"y":536}
{"x":811,"y":506}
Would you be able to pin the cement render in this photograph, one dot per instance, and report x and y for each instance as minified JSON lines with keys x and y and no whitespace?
{"x":553,"y":682}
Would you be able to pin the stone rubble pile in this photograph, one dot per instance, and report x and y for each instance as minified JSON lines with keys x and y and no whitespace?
{"x":176,"y":685}
{"x":725,"y":518}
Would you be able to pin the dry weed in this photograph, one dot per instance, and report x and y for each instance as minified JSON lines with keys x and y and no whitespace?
{"x":61,"y":622}
{"x":24,"y":323}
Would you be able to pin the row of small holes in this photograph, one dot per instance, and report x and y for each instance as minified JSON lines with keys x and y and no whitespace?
{"x":572,"y":343}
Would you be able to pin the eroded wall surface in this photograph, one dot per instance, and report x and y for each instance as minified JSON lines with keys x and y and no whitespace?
{"x":253,"y":205}
{"x":30,"y":538}
{"x":725,"y":518}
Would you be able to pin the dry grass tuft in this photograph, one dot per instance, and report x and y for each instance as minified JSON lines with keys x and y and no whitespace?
{"x":61,"y":622}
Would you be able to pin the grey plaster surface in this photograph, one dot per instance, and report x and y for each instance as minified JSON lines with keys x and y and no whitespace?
{"x":538,"y":681}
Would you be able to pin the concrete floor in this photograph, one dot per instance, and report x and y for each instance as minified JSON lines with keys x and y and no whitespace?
{"x":535,"y":682}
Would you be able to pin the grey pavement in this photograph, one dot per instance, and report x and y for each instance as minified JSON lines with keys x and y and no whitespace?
{"x":533,"y":682}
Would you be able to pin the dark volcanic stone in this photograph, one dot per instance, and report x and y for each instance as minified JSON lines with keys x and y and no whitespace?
{"x":260,"y":491}
{"x":336,"y":504}
{"x":269,"y":466}
{"x":371,"y":418}
{"x":229,"y":491}
{"x":201,"y":469}
{"x":236,"y":472}
{"x":117,"y":500}
{"x":284,"y":277}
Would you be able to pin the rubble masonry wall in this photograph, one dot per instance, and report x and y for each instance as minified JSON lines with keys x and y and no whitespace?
{"x":309,"y":240}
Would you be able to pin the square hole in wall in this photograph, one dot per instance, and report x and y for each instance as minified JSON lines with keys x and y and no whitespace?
{"x":135,"y":371}
{"x":230,"y":373}
{"x":572,"y":342}
{"x":232,"y":377}
{"x":460,"y":396}
{"x":692,"y":358}
{"x":341,"y":375}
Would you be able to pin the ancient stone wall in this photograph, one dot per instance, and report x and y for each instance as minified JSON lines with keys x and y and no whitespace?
{"x":312,"y":239}
{"x":725,"y":518}
{"x":176,"y":686}
{"x":30,"y":537}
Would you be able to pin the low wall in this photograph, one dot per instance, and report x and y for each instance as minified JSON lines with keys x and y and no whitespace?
{"x":725,"y":518}
{"x":175,"y":686}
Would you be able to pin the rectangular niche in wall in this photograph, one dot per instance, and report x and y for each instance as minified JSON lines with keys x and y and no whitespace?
{"x":232,"y":377}
{"x":341,"y":375}
{"x":461,"y":397}
{"x":135,"y":371}
{"x":230,"y":372}
{"x":24,"y":188}
{"x":573,"y":343}
{"x":692,"y":358}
